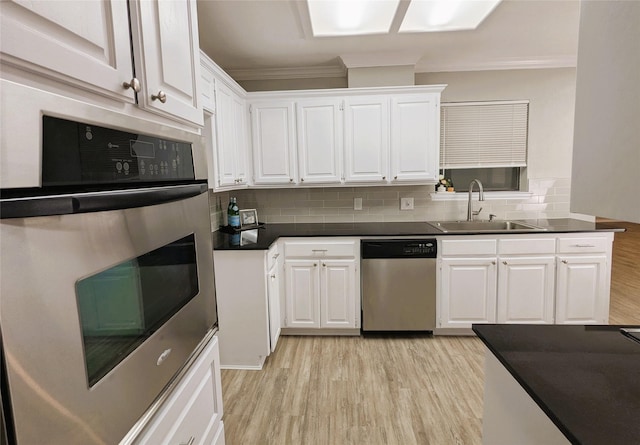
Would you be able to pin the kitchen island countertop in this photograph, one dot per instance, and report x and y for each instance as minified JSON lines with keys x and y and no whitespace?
{"x":271,"y":232}
{"x":586,"y":379}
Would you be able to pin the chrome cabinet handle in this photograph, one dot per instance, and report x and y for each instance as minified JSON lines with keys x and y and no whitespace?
{"x":318,"y":250}
{"x":384,"y":177}
{"x":504,"y":262}
{"x":494,"y":263}
{"x":395,"y":177}
{"x":565,"y":262}
{"x":290,"y":179}
{"x":315,"y":265}
{"x":161,"y":96}
{"x":276,"y":256}
{"x":301,"y":179}
{"x":584,"y":245}
{"x":273,"y":276}
{"x":134,"y":84}
{"x":324,"y":265}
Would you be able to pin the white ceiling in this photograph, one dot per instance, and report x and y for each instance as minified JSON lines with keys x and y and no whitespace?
{"x":256,"y":39}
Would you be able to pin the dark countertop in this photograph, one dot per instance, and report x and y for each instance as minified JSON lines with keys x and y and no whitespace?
{"x":585,"y":378}
{"x":271,"y":232}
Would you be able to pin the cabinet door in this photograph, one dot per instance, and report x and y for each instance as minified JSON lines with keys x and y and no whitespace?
{"x":231,"y":139}
{"x":366,"y":139}
{"x":582,"y":294}
{"x":207,"y":88}
{"x":526,"y":289}
{"x":273,"y":291}
{"x":415,"y":137}
{"x":303,"y":294}
{"x":167,"y":57}
{"x":84,"y":44}
{"x":273,"y":141}
{"x":467,"y":292}
{"x":337,"y":294}
{"x":319,"y":127}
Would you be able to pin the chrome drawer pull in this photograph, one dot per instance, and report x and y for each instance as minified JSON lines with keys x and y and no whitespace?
{"x":584,"y":245}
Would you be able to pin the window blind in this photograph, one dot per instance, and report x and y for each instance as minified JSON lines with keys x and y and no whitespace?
{"x":484,"y":134}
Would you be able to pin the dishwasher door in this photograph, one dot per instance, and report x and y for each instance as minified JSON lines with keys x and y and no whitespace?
{"x":399,"y":294}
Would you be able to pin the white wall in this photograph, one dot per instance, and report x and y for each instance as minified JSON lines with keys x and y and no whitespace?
{"x":551,"y":93}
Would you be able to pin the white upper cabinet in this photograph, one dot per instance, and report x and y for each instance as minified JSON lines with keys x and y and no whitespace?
{"x":319,"y":126}
{"x":230,"y":168}
{"x":366,"y":139}
{"x":167,"y":57}
{"x":415,"y":137}
{"x":207,"y":87}
{"x":87,"y":45}
{"x":273,"y":142}
{"x":84,"y":44}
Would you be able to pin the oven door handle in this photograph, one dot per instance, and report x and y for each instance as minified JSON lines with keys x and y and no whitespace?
{"x":96,"y":201}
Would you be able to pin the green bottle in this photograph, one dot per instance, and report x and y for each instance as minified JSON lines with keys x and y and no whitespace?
{"x":233,"y":214}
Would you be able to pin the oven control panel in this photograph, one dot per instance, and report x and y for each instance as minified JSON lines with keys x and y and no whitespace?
{"x":75,"y":153}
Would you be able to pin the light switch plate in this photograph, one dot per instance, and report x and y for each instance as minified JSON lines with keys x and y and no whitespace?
{"x":357,"y":203}
{"x":406,"y":203}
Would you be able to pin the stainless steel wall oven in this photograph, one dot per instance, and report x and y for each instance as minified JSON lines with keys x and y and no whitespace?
{"x":107,"y":279}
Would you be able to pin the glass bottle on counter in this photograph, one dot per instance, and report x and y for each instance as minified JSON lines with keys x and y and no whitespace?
{"x":233,"y":214}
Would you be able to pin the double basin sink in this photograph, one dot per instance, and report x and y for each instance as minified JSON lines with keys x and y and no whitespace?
{"x":484,"y":226}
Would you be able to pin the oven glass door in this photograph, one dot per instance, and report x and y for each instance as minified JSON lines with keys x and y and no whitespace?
{"x":122,"y":306}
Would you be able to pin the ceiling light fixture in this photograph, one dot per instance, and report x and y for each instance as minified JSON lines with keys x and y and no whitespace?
{"x":446,"y":15}
{"x":351,"y":17}
{"x":358,"y":17}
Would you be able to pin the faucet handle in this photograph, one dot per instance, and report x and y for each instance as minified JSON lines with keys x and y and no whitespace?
{"x":477,"y":212}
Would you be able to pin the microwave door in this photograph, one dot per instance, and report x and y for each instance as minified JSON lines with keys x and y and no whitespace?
{"x":57,"y":269}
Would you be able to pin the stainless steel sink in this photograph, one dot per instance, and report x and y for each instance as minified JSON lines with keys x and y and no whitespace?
{"x":483,"y":226}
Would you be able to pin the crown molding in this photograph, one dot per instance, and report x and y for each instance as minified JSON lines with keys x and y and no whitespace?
{"x":288,"y":73}
{"x":498,"y":64}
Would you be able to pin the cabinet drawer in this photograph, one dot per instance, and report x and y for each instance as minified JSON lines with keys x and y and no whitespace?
{"x":469,"y":247}
{"x":320,"y":250}
{"x":195,"y":406}
{"x":583,"y":245}
{"x":526,"y":246}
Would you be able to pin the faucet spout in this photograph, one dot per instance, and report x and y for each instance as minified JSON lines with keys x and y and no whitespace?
{"x":480,"y":197}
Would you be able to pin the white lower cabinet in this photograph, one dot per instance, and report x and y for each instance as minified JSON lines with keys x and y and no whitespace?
{"x":561,"y":279}
{"x":468,"y":292}
{"x":322,"y":285}
{"x":525,"y":289}
{"x":582,"y":283}
{"x":193,"y":412}
{"x":243,"y":296}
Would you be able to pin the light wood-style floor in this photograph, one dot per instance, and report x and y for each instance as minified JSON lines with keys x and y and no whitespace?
{"x":384,"y":390}
{"x":359,"y":390}
{"x":625,"y":275}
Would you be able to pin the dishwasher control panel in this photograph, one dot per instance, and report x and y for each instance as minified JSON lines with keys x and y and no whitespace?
{"x":399,"y":248}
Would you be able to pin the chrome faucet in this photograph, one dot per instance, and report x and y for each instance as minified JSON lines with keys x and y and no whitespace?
{"x":470,"y":213}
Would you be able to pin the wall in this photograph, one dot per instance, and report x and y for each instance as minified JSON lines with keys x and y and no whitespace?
{"x":551,"y":93}
{"x":606,"y":158}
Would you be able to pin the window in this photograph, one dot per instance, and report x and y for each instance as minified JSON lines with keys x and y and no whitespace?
{"x":484,"y":140}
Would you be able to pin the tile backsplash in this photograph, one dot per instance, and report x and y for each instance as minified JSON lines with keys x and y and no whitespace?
{"x":549,"y":199}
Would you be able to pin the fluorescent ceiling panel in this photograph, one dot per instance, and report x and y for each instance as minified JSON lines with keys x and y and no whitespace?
{"x":446,"y":15}
{"x":351,"y":17}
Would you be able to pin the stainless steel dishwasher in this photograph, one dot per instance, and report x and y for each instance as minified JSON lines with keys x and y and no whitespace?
{"x":399,"y":284}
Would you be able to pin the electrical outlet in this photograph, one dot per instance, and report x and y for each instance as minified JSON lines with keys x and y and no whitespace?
{"x":357,"y":203}
{"x":406,"y":203}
